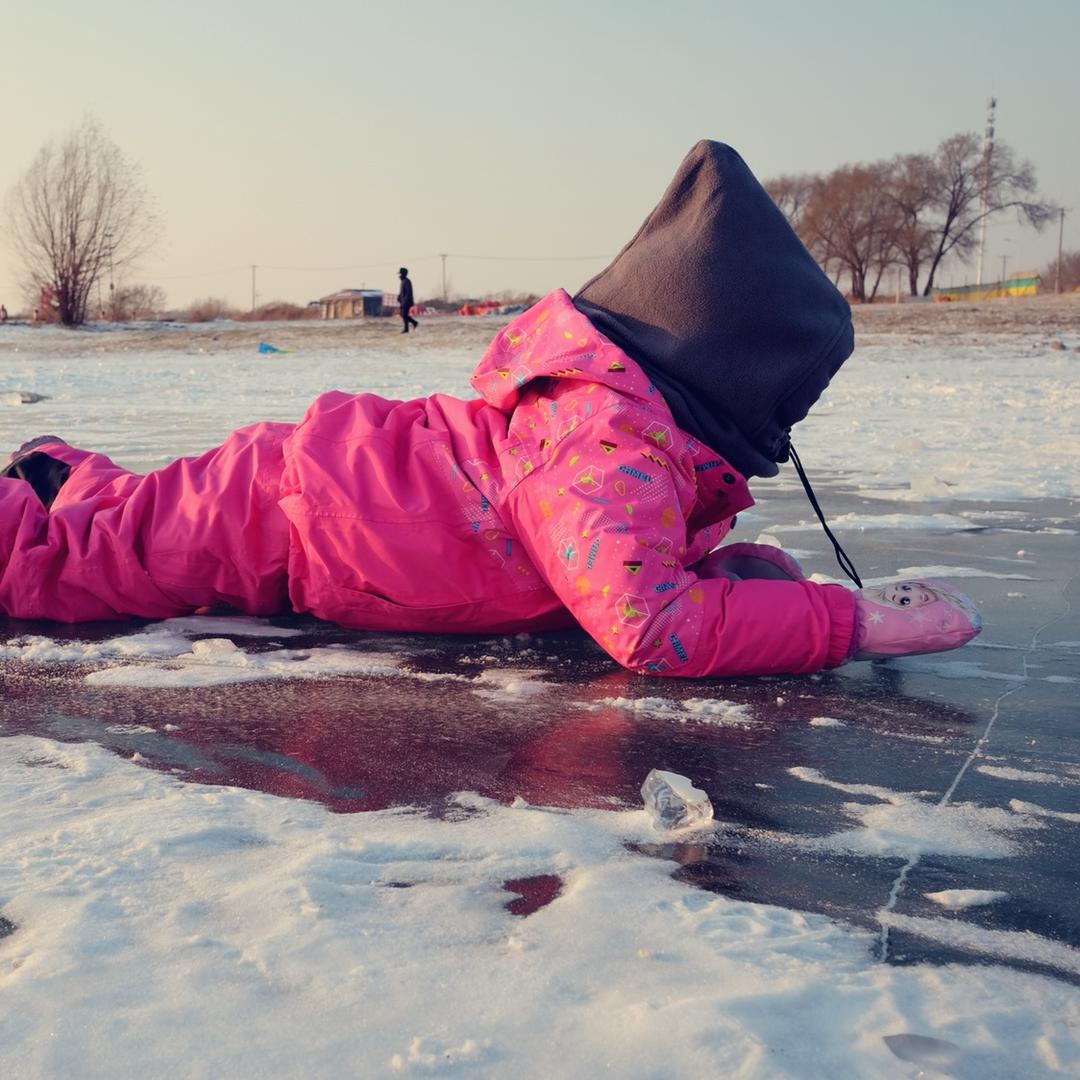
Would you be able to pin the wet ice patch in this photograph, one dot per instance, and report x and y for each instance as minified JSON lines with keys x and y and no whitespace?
{"x":231,"y":625}
{"x":1019,"y":945}
{"x":961,"y":899}
{"x":949,"y":669}
{"x":907,"y":825}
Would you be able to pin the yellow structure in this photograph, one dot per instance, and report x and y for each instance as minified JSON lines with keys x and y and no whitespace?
{"x":1024,"y":283}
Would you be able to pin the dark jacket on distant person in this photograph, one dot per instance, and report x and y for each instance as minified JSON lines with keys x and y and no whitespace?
{"x":405,"y":296}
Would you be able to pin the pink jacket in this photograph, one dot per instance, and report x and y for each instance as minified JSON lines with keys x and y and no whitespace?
{"x":564,"y":493}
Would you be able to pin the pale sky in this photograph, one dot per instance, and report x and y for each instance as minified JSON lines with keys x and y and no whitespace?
{"x":329,"y":142}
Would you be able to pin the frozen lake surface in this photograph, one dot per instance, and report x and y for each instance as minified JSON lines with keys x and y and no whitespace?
{"x":279,"y":848}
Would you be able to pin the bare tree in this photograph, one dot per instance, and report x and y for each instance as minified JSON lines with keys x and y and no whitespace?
{"x":851,"y":224}
{"x":130,"y":302}
{"x":916,"y":210}
{"x":208,"y":309}
{"x":1070,"y":273}
{"x":970,"y":188}
{"x":791,"y":193}
{"x":79,"y":212}
{"x":914,"y":189}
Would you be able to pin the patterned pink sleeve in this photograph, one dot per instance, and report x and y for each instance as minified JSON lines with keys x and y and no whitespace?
{"x":604,"y":518}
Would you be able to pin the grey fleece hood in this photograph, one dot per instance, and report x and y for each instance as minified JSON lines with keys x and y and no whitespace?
{"x":725,"y":309}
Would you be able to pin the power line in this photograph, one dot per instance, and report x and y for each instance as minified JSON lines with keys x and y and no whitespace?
{"x":200,"y":274}
{"x":529,"y":258}
{"x":346,"y":269}
{"x":378,"y":265}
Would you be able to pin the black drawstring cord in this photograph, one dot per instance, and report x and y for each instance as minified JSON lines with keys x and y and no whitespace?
{"x":841,"y":555}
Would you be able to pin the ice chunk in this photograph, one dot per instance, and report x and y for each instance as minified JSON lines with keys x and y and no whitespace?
{"x":673,"y":802}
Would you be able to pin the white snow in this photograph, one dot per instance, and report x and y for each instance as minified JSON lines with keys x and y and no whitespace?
{"x":164,"y":927}
{"x":950,"y":420}
{"x":163,"y":639}
{"x":1038,"y":811}
{"x":1002,"y":772}
{"x":217,"y":662}
{"x":915,"y":421}
{"x":161,"y":925}
{"x":892,"y":522}
{"x":704,"y":710}
{"x":826,"y":721}
{"x":905,"y":824}
{"x":960,"y":899}
{"x":508,"y":685}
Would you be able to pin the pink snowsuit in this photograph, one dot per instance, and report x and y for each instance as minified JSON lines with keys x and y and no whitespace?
{"x":564,"y":493}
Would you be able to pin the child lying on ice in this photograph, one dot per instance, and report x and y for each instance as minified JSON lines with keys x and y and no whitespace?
{"x":604,"y":460}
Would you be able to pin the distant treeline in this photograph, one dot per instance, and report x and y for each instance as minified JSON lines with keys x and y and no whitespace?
{"x":912,"y":211}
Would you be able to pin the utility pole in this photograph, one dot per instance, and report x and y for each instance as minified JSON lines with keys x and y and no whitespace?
{"x":1061,"y":233}
{"x":443,"y":257}
{"x":252,"y":286}
{"x":988,"y":152}
{"x":1004,"y":260}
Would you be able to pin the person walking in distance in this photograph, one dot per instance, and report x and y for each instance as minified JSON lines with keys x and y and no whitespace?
{"x":405,"y":300}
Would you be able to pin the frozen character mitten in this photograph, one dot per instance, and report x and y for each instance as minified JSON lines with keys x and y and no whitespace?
{"x":737,"y":562}
{"x":910,"y":617}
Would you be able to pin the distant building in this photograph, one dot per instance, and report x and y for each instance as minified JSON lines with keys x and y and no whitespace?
{"x":356,"y":304}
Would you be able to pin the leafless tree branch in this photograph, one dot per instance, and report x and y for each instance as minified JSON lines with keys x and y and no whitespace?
{"x":79,"y":212}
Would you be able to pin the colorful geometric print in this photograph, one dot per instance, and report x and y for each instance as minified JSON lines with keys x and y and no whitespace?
{"x":594,"y":461}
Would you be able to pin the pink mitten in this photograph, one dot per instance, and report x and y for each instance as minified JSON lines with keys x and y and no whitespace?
{"x":909,"y":617}
{"x":737,"y":562}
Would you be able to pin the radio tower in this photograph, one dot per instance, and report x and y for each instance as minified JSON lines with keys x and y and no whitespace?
{"x":988,"y":153}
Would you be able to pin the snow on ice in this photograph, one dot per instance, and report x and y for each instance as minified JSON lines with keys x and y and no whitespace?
{"x":156,"y":920}
{"x":146,"y":921}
